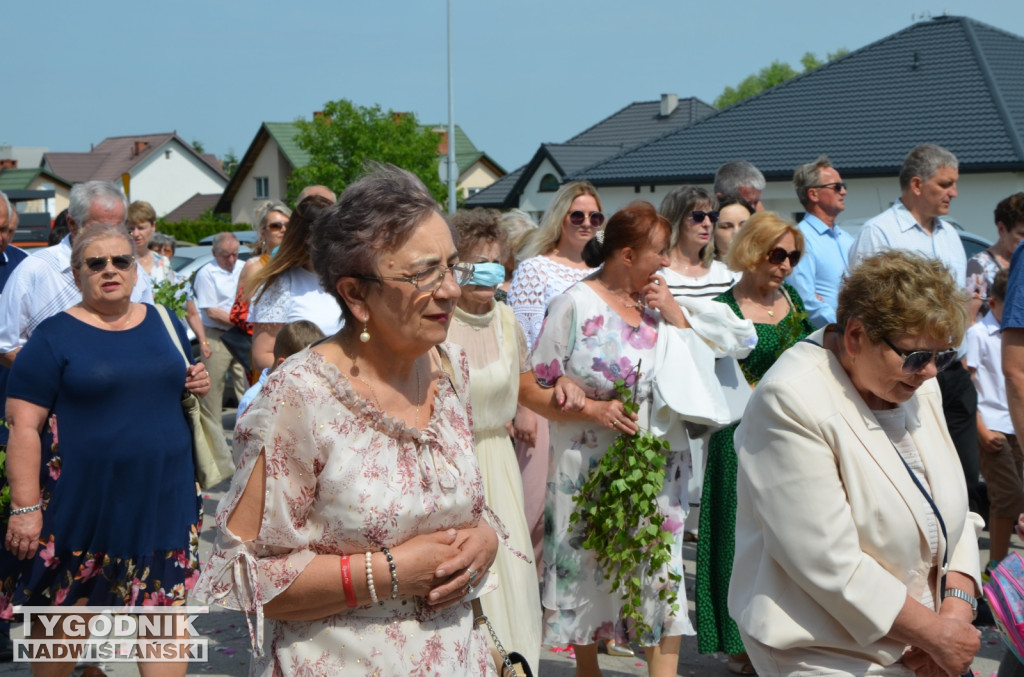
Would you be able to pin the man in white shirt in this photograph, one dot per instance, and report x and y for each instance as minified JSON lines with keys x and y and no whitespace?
{"x":817,"y":277}
{"x":42,"y":285}
{"x":914,"y":223}
{"x":214,"y":287}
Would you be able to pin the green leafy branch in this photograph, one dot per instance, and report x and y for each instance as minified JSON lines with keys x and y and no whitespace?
{"x":617,"y":513}
{"x":172,"y":295}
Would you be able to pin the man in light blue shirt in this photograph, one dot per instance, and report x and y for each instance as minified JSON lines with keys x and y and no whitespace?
{"x":927,"y":186}
{"x":817,"y":277}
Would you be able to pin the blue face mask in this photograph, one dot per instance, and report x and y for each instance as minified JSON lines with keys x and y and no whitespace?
{"x":488,"y":274}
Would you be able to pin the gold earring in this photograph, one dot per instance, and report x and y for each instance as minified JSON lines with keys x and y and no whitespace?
{"x":365,"y":336}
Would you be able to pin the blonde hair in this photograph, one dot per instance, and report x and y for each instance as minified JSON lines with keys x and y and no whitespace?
{"x":898,"y":292}
{"x":757,"y":237}
{"x":546,"y":237}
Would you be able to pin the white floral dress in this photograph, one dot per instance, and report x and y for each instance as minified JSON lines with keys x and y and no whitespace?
{"x":345,"y":478}
{"x":587,"y":341}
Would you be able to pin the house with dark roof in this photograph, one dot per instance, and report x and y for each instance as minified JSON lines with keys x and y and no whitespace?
{"x":163,"y":169}
{"x":532,"y":186}
{"x":950,"y":80}
{"x":274,"y":154}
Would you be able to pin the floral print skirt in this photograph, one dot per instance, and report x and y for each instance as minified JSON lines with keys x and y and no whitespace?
{"x":61,"y":576}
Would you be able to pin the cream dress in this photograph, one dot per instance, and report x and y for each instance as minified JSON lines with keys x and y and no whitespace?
{"x":496,"y":348}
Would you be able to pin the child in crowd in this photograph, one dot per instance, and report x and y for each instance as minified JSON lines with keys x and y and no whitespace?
{"x":293,"y":337}
{"x":1000,"y":454}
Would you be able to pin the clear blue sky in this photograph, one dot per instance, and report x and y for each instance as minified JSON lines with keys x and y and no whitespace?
{"x":526,"y":71}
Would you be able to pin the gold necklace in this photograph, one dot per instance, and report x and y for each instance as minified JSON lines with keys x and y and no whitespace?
{"x":110,"y":325}
{"x":768,"y":309}
{"x":373,"y":393}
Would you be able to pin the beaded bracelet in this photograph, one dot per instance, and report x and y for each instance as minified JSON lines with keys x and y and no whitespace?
{"x":394,"y":573}
{"x":346,"y":583}
{"x":369,"y":577}
{"x":31,"y":508}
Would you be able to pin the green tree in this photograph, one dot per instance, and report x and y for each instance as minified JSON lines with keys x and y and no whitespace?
{"x":347,"y":136}
{"x":229,"y":163}
{"x":198,"y":145}
{"x":774,"y":74}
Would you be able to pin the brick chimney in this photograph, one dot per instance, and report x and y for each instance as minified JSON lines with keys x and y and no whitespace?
{"x":442,"y":145}
{"x":138,"y":147}
{"x":8,"y":163}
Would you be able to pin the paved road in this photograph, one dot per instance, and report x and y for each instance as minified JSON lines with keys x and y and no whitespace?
{"x":229,"y":636}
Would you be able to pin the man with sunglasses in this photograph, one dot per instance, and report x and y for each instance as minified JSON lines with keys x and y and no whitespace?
{"x":214,"y":288}
{"x":914,"y":223}
{"x":821,"y":191}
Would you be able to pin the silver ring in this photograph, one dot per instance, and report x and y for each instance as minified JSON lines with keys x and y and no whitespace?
{"x":470,"y":589}
{"x":657,"y":283}
{"x":615,"y":422}
{"x":472,"y":576}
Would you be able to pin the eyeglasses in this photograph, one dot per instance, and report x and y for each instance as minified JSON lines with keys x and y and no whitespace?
{"x":778,"y":255}
{"x":837,"y":186}
{"x":98,"y":264}
{"x":277,"y":225}
{"x":577,"y":217}
{"x":698,"y":215}
{"x":431,"y":279}
{"x":917,"y":360}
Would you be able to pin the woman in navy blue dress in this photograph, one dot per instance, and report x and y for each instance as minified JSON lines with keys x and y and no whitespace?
{"x":110,"y":515}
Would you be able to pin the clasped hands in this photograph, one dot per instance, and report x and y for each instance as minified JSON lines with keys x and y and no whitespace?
{"x":443,"y":567}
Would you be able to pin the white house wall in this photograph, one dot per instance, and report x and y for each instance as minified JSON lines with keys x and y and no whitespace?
{"x":170,"y":176}
{"x":270,"y":163}
{"x":534,"y":202}
{"x":978,"y":196}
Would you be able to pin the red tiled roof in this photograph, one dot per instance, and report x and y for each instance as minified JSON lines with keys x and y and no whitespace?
{"x":117,"y":155}
{"x":195,"y":206}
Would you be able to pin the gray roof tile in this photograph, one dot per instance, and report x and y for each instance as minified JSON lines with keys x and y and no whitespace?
{"x":952,"y":81}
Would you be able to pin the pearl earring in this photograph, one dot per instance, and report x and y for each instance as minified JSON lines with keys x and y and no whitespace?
{"x":365,"y":336}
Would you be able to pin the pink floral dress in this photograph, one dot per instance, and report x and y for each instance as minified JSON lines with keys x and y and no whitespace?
{"x":345,"y":478}
{"x":584,"y":339}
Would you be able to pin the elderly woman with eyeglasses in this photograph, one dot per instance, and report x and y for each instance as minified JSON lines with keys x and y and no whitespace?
{"x":109,"y":516}
{"x":765,"y":251}
{"x":855,"y":550}
{"x":355,"y":522}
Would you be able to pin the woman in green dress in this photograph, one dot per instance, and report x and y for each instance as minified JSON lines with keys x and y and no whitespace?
{"x":766,"y":250}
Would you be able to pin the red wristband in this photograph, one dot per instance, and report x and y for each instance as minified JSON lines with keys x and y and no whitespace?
{"x":346,"y":582}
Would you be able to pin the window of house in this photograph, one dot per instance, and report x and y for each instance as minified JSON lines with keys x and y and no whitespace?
{"x":262,"y":188}
{"x":548,"y":183}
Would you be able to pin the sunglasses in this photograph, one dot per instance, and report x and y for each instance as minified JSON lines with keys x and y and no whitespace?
{"x":576,"y":218}
{"x":778,"y":255}
{"x":98,"y":264}
{"x":698,"y":215}
{"x":837,"y":186}
{"x":917,"y":360}
{"x":277,"y":225}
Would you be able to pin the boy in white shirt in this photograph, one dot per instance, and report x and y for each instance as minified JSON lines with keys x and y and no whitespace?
{"x":1001,"y":460}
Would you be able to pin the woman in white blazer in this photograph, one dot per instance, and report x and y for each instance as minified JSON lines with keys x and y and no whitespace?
{"x":855,"y":550}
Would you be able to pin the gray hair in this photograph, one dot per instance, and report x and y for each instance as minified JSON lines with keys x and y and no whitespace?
{"x":375,"y":214}
{"x":219,"y":239}
{"x":923,"y":161}
{"x":520,"y":228}
{"x":84,"y":195}
{"x":808,"y":175}
{"x":680,"y":202}
{"x":259,"y":221}
{"x":732,"y":176}
{"x":95,"y":233}
{"x":7,"y":203}
{"x":161,"y":240}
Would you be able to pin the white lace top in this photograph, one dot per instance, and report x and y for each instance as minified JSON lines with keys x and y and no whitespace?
{"x":296,"y":295}
{"x":536,"y":281}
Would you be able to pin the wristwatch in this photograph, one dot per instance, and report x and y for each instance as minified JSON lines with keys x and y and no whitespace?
{"x":965,"y":596}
